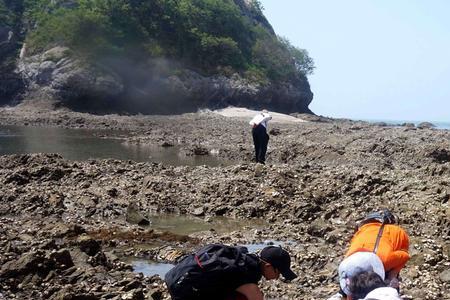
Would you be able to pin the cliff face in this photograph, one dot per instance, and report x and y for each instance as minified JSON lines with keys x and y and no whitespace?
{"x":156,"y":85}
{"x":11,"y":37}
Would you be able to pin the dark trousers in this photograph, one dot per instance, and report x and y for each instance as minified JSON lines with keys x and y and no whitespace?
{"x":260,"y":140}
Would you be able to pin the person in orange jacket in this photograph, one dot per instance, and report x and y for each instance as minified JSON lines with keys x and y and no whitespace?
{"x":392,"y":247}
{"x":377,"y":234}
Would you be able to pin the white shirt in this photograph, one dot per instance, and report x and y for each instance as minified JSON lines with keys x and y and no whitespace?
{"x":262,"y":118}
{"x":383,"y":293}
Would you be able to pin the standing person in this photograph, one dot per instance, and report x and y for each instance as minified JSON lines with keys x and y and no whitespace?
{"x":378,"y":234}
{"x":225,"y":272}
{"x":260,"y":136}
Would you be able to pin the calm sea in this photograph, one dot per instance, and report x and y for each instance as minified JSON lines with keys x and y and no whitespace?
{"x":439,"y":125}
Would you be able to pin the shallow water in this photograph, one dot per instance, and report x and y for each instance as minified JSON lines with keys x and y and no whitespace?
{"x":82,"y":144}
{"x":150,"y":268}
{"x":185,"y":225}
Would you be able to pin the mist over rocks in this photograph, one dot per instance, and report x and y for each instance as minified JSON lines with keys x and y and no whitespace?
{"x":55,"y":76}
{"x":118,"y":85}
{"x":320,"y":179}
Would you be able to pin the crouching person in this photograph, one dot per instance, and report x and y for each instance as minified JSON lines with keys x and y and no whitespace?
{"x":379,"y":245}
{"x":368,"y":285}
{"x":227,"y":273}
{"x":379,"y":234}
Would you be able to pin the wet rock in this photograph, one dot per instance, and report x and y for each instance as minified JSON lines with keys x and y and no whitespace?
{"x":99,"y":259}
{"x":137,"y":294}
{"x":88,"y":201}
{"x":440,"y":155}
{"x":259,"y":170}
{"x":221,"y":210}
{"x":155,"y":294}
{"x":66,"y":230}
{"x":88,"y":245}
{"x":21,"y":178}
{"x":69,"y":295}
{"x":409,"y":125}
{"x":29,"y":263}
{"x":198,"y":212}
{"x":110,"y":256}
{"x":445,"y":276}
{"x":45,"y":173}
{"x":166,"y":144}
{"x":275,"y":131}
{"x":76,"y":276}
{"x":311,"y":117}
{"x":62,"y":259}
{"x":134,"y":216}
{"x":56,"y":200}
{"x":113,"y":192}
{"x":48,"y":245}
{"x":425,"y":125}
{"x":135,"y":284}
{"x":199,"y":150}
{"x":147,"y":181}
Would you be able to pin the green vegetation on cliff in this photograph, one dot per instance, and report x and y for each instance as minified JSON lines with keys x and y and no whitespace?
{"x":4,"y":14}
{"x":9,"y":12}
{"x":211,"y":36}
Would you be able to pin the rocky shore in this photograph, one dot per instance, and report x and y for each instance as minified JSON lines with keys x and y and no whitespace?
{"x":66,"y":225}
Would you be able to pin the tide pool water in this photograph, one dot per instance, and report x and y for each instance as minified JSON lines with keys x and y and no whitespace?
{"x":82,"y":144}
{"x":150,"y":268}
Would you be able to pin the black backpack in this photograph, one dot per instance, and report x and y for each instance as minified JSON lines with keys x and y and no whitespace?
{"x":384,"y":217}
{"x":211,"y":271}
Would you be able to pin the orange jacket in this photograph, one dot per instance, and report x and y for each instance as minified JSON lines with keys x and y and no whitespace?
{"x":392,"y":248}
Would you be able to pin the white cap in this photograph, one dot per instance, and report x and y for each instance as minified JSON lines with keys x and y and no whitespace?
{"x":383,"y":293}
{"x":356,"y":263}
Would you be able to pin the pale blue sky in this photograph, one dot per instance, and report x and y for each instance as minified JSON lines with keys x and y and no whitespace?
{"x":375,"y":59}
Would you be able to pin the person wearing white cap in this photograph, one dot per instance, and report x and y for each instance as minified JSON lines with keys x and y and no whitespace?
{"x":260,"y":136}
{"x":357,"y":263}
{"x":352,"y":266}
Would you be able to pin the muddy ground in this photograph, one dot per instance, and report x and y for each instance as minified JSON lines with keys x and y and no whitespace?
{"x":65,"y":225}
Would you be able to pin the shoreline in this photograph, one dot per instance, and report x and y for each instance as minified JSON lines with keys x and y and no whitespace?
{"x":320,"y":177}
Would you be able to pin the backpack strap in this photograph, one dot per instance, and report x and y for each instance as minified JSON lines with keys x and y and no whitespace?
{"x":377,"y":242}
{"x":197,"y":260}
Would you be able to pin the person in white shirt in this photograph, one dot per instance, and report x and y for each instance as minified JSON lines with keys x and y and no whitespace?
{"x":260,"y":136}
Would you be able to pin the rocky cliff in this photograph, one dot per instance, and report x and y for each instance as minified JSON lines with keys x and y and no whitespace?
{"x":11,"y":37}
{"x":60,"y":75}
